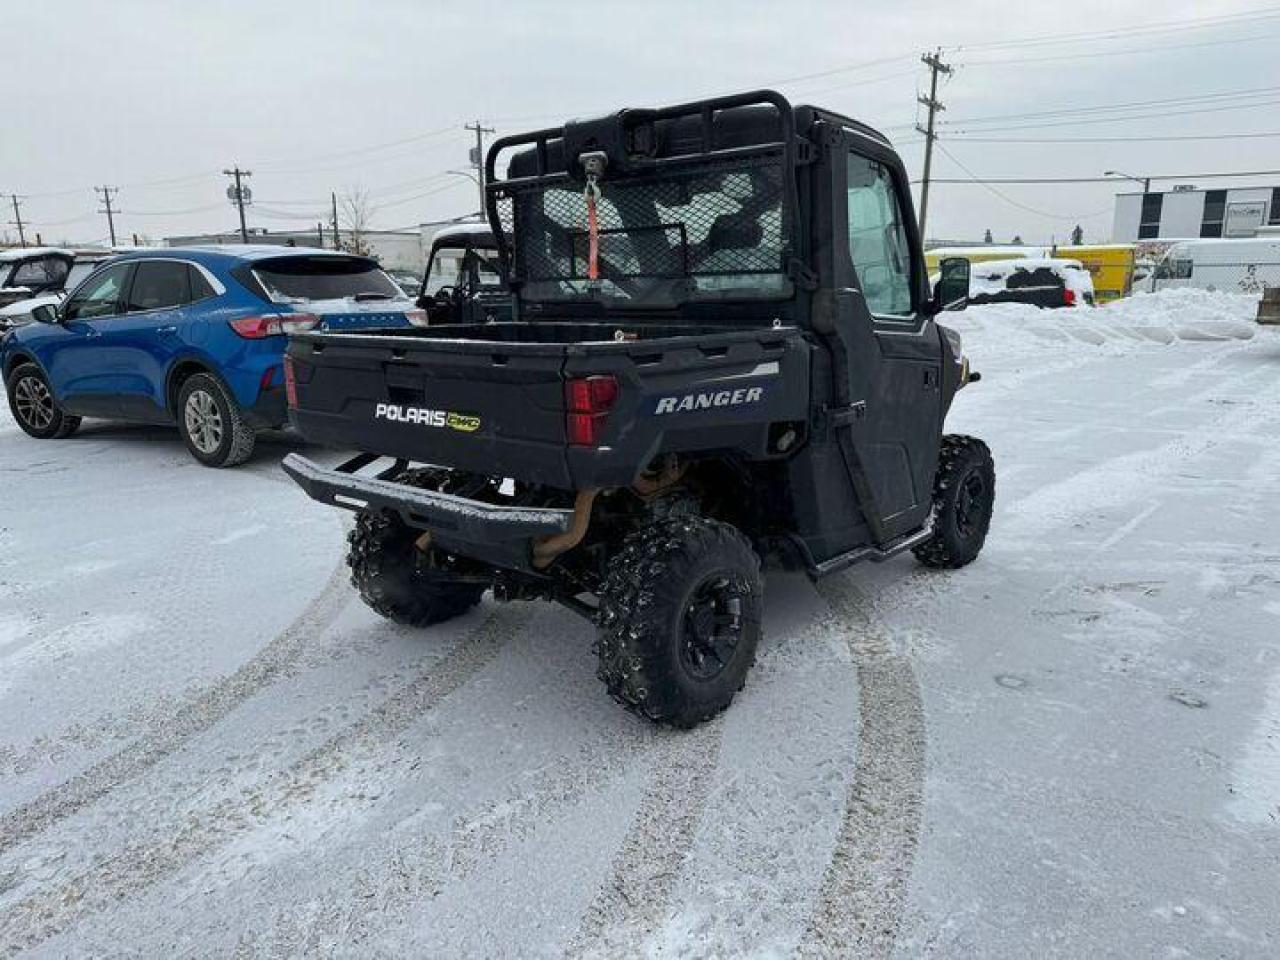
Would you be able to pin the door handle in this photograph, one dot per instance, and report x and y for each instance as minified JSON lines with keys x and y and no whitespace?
{"x":166,"y":329}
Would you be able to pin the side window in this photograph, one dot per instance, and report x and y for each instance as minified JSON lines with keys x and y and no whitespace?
{"x":446,"y":271}
{"x":484,"y":271}
{"x":201,"y":289}
{"x":33,"y":271}
{"x":100,"y":295}
{"x":158,"y":284}
{"x":878,"y":243}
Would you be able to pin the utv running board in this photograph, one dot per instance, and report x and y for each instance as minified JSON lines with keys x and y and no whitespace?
{"x":876,"y":554}
{"x":494,"y":533}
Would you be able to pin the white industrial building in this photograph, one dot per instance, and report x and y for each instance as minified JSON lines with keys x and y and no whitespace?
{"x":1187,"y":212}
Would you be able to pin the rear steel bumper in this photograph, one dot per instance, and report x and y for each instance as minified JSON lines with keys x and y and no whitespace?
{"x":492,"y":533}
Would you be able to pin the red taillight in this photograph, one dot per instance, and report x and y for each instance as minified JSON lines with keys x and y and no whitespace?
{"x":588,"y":401}
{"x":1069,"y":297}
{"x":290,"y":382}
{"x":274,"y":325}
{"x":268,"y":375}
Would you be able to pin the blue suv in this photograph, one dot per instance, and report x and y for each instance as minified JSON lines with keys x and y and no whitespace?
{"x":191,"y":336}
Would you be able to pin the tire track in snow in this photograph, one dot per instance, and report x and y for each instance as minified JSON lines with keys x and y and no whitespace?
{"x":636,"y":897}
{"x":421,"y":868}
{"x":270,"y":663}
{"x":146,"y":862}
{"x":418,"y":868}
{"x":859,"y":906}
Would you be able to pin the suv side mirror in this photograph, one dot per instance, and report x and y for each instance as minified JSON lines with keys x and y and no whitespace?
{"x":951,"y":292}
{"x":45,"y":313}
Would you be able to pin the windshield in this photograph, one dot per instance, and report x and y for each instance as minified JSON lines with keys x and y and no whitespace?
{"x":299,"y":279}
{"x":710,"y":233}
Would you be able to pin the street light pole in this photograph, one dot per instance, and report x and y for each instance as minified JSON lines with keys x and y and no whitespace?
{"x":1145,"y":181}
{"x":474,"y":179}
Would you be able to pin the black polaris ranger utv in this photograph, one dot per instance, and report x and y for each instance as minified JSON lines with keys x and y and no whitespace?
{"x":723,"y":349}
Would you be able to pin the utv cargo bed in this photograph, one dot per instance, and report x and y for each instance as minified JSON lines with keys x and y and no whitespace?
{"x":492,"y":398}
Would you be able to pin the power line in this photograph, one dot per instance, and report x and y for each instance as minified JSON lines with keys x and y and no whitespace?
{"x":1168,"y":176}
{"x":1130,"y":52}
{"x":986,"y":185}
{"x":1086,"y":121}
{"x":1127,"y":105}
{"x":1172,"y":26}
{"x":962,"y":137}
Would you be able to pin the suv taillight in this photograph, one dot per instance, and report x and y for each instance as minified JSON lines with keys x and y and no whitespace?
{"x":1069,"y":297}
{"x":587,"y":402}
{"x":274,"y":325}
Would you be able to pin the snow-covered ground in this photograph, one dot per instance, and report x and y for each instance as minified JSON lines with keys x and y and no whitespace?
{"x":1071,"y":748}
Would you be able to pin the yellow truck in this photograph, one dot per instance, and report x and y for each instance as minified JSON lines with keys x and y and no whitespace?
{"x":981,"y":254}
{"x":1111,"y":265}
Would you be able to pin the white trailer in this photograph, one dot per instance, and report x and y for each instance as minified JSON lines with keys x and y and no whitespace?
{"x":1232,"y":266}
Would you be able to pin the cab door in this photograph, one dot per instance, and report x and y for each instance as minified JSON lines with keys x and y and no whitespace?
{"x":894,"y":349}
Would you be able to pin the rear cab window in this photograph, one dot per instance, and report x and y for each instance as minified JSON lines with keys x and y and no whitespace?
{"x":302,"y":279}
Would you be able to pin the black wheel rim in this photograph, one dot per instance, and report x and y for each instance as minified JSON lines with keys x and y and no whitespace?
{"x":711,"y":627}
{"x":971,"y":503}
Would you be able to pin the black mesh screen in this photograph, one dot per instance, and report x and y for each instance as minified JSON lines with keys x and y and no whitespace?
{"x":719,"y":219}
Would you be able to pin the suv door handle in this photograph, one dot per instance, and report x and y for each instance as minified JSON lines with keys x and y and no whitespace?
{"x":166,"y":329}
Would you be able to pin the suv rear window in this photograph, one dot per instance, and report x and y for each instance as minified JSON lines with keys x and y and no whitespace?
{"x":290,"y":279}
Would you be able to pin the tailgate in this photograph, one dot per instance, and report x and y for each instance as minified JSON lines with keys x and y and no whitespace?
{"x":491,"y":408}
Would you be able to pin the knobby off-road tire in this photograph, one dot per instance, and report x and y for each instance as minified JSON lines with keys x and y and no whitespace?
{"x":391,"y":573}
{"x":32,"y":404}
{"x":211,"y":424}
{"x":964,"y":491}
{"x":679,"y":619}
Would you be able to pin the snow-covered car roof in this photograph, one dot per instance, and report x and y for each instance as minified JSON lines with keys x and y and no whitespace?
{"x":987,"y":249}
{"x":994,"y":268}
{"x":463,"y":231}
{"x":247,"y":251}
{"x":22,"y":253}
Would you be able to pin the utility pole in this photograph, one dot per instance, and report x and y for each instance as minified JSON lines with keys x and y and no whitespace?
{"x":477,"y":157}
{"x":106,"y":193}
{"x":337,"y":242}
{"x":240,"y":195}
{"x":17,"y":218}
{"x":934,"y":62}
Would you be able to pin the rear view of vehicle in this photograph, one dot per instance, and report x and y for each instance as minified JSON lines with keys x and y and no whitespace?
{"x":193,"y":336}
{"x":724,"y":350}
{"x":1049,"y":283}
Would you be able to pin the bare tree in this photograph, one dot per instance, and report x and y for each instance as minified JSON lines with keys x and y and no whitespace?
{"x":357,"y":212}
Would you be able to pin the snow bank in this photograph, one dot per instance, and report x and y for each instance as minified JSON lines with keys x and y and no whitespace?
{"x":1166,"y":317}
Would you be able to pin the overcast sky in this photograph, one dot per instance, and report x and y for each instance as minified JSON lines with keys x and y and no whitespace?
{"x":158,"y":97}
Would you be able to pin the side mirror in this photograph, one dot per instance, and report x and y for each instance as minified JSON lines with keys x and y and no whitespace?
{"x":45,"y":313}
{"x":951,"y":292}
